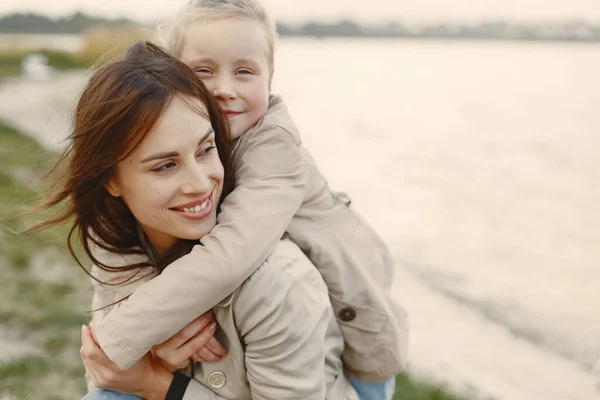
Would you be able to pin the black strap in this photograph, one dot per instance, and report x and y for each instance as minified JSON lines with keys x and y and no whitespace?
{"x":178,"y":387}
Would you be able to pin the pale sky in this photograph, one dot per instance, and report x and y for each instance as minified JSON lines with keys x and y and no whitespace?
{"x":361,"y":10}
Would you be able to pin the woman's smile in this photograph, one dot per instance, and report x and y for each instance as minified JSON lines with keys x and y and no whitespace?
{"x":174,"y":180}
{"x":196,"y":210}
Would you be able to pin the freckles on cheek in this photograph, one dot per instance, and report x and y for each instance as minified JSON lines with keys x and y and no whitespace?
{"x":157,"y":197}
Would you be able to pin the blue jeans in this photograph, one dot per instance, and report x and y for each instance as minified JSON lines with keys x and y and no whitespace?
{"x":365,"y":390}
{"x":101,"y":394}
{"x":374,"y":391}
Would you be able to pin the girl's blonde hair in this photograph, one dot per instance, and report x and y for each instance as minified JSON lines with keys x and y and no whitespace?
{"x":171,"y":35}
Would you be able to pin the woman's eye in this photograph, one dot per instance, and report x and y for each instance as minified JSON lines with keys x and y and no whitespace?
{"x":206,"y":151}
{"x":164,"y":167}
{"x":244,"y":72}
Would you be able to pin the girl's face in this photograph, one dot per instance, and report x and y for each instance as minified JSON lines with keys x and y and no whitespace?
{"x":173,"y":181}
{"x":230,"y":56}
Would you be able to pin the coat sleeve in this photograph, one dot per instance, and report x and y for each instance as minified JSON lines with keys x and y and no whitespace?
{"x":283,"y":314}
{"x":269,"y":190}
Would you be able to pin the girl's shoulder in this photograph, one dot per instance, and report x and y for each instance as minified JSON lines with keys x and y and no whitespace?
{"x":277,"y":120}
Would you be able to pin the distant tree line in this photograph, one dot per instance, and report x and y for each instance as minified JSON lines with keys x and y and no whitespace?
{"x":37,"y":23}
{"x":574,"y":30}
{"x":571,"y":31}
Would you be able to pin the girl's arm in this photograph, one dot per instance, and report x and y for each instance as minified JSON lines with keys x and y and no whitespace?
{"x":270,"y":187}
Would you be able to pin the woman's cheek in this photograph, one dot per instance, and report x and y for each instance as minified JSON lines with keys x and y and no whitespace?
{"x":218,"y":173}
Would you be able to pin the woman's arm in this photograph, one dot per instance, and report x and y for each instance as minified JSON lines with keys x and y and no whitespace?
{"x":269,"y":191}
{"x":283,"y":314}
{"x":169,"y":356}
{"x":147,"y":378}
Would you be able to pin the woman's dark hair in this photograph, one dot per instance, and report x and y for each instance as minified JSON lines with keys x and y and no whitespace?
{"x":118,"y":109}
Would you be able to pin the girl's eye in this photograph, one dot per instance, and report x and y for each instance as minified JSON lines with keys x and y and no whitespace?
{"x":202,"y":71}
{"x":244,"y":72}
{"x":164,"y":167}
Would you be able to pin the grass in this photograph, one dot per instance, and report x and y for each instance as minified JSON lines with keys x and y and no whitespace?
{"x":410,"y":389}
{"x":10,"y":62}
{"x":44,"y":294}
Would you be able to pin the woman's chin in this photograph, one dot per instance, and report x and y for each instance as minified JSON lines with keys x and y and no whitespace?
{"x":196,"y":233}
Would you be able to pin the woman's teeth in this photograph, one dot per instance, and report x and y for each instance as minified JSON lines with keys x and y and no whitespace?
{"x":196,"y":209}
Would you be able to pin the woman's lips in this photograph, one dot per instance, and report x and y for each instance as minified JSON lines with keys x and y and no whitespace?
{"x":195,"y":210}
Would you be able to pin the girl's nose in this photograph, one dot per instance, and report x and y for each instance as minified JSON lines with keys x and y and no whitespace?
{"x":224,"y":89}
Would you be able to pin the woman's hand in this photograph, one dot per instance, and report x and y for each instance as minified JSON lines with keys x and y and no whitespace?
{"x":147,"y":378}
{"x":196,"y":342}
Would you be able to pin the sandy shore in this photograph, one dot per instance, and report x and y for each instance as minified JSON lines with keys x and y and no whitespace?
{"x":42,"y":109}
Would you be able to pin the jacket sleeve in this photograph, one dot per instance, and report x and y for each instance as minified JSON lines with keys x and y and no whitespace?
{"x":283,"y":314}
{"x":269,"y":190}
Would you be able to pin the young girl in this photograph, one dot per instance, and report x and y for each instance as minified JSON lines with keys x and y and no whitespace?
{"x":278,"y":189}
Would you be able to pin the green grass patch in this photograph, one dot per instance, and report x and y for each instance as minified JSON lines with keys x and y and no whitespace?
{"x":17,"y":375}
{"x":22,"y":162}
{"x":409,"y":389}
{"x":45,"y":295}
{"x":41,"y":378}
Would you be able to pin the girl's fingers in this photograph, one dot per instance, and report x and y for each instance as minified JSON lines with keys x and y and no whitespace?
{"x":197,"y":358}
{"x":206,"y":355}
{"x":216,"y":348}
{"x":184,"y":335}
{"x":198,"y":342}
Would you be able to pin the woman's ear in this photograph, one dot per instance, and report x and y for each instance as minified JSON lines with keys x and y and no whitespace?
{"x":113,"y":188}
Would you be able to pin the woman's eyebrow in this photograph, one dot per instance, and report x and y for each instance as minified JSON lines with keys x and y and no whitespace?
{"x":161,"y":156}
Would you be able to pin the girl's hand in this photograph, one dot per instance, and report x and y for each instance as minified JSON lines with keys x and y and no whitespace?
{"x":196,"y":342}
{"x":147,"y":378}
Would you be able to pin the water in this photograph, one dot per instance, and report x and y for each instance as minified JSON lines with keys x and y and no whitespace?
{"x":478,"y":163}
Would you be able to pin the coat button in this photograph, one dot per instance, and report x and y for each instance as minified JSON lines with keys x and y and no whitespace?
{"x":217,"y":380}
{"x":344,"y":198}
{"x":347,"y":314}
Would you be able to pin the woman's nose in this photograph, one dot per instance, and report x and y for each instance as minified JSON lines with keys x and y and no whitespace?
{"x":196,"y":181}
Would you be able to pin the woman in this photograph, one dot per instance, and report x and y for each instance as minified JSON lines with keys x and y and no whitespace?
{"x":143,"y":174}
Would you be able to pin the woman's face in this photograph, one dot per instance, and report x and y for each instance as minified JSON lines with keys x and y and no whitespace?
{"x":173,"y":181}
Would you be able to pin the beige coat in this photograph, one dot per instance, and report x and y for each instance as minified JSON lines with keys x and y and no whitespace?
{"x":278,"y":189}
{"x":279,"y":328}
